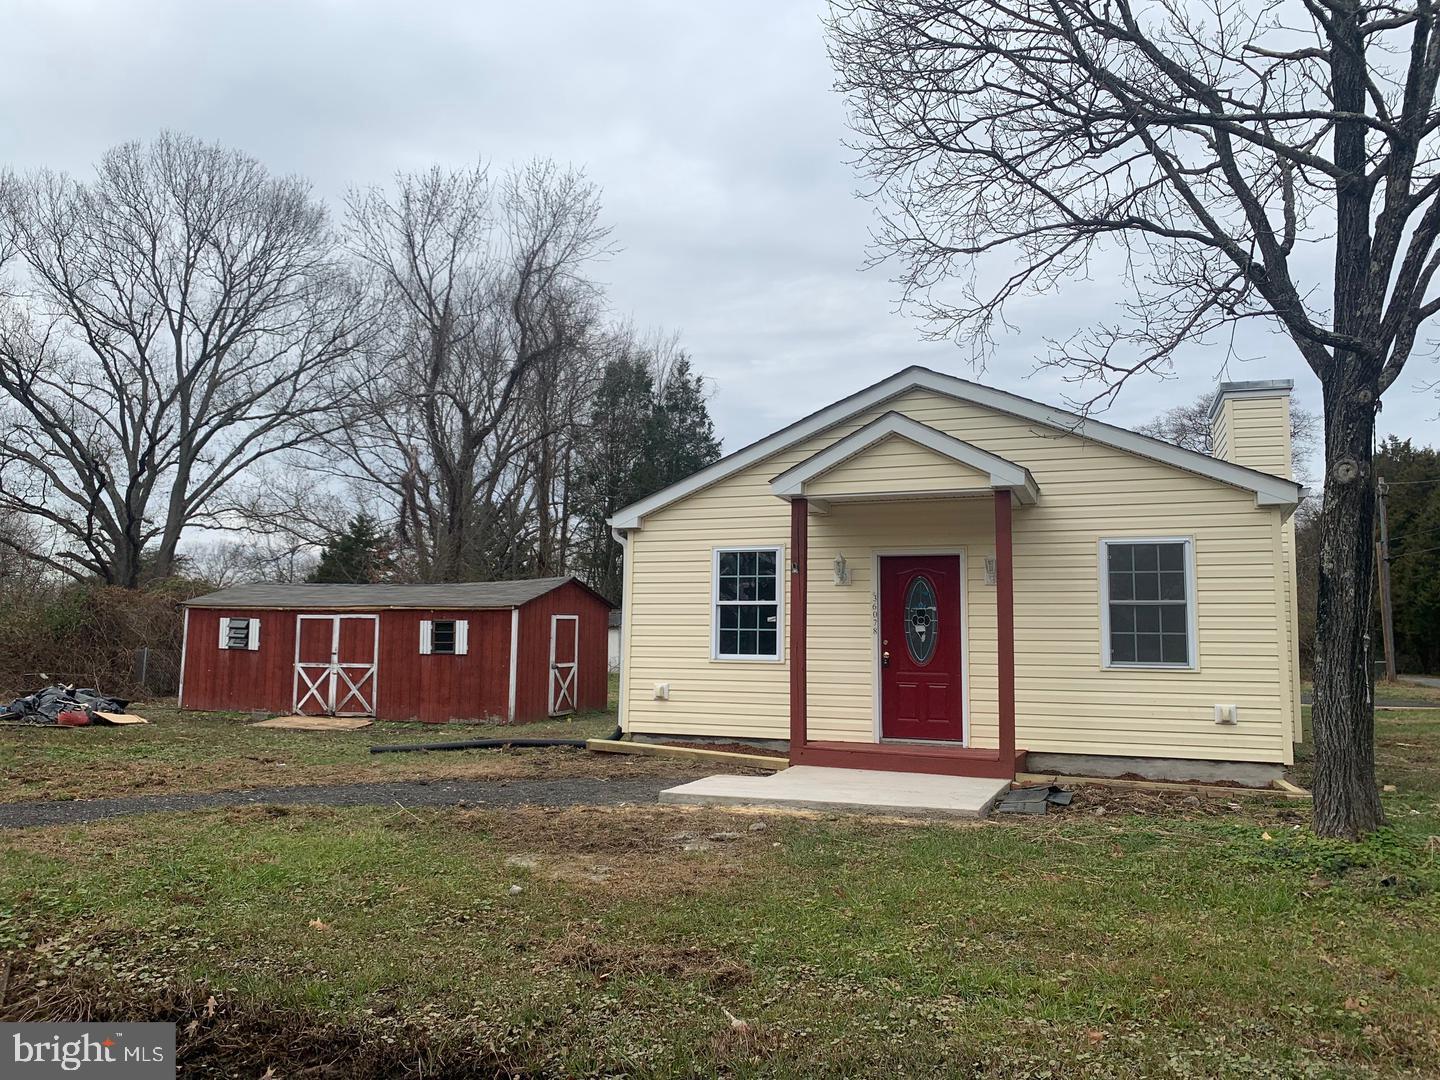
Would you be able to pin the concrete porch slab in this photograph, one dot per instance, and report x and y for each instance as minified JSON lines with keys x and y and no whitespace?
{"x":809,"y":787}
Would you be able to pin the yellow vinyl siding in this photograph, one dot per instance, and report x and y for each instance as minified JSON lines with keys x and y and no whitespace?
{"x":896,"y":465}
{"x":1257,"y":433}
{"x":1220,"y":430}
{"x":1065,"y":700}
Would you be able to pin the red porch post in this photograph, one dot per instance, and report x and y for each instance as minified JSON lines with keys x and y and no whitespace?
{"x":1005,"y":629}
{"x":799,"y":581}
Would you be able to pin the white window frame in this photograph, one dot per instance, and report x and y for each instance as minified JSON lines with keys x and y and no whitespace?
{"x":462,"y":637}
{"x":780,"y":581}
{"x":1192,"y":636}
{"x":252,"y":633}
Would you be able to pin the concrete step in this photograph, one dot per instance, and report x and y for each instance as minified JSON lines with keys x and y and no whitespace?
{"x":809,"y":787}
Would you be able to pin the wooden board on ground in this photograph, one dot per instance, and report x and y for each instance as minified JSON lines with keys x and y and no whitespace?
{"x":121,"y":718}
{"x":1288,"y":791}
{"x":316,"y":723}
{"x":754,"y":761}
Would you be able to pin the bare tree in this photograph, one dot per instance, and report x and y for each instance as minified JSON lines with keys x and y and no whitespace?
{"x":1230,"y":161}
{"x":175,"y":320}
{"x":19,"y":571}
{"x":233,"y":562}
{"x":280,"y":517}
{"x":1188,"y":425}
{"x":487,"y":311}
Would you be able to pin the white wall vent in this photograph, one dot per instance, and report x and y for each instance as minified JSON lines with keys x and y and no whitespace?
{"x":1227,"y":714}
{"x":662,"y":691}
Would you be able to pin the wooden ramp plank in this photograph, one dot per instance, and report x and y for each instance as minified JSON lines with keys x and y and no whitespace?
{"x":315,"y":723}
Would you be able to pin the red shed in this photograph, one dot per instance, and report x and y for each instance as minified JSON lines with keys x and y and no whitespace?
{"x":517,"y":650}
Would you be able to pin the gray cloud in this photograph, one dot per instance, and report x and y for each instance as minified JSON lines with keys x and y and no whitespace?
{"x":713,"y":131}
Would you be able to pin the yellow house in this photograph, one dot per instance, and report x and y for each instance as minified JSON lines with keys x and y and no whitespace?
{"x":932,"y":575}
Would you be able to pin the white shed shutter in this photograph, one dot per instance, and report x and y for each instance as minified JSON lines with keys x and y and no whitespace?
{"x":462,"y":637}
{"x":253,"y":642}
{"x":425,"y":628}
{"x":224,"y":633}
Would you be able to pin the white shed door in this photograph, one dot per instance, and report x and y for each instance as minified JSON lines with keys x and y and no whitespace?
{"x":564,"y":662}
{"x":336,"y":664}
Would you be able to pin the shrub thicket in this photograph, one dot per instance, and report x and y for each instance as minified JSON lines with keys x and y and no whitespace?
{"x":92,"y":635}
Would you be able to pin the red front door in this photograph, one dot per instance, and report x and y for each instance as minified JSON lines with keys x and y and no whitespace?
{"x":920,"y":685}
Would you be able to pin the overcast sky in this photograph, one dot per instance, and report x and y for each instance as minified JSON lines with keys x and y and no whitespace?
{"x":713,"y":130}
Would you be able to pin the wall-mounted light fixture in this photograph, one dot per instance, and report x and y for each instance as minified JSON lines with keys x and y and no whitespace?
{"x":842,"y":572}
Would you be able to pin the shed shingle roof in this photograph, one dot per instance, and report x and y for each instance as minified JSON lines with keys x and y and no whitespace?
{"x":461,"y":595}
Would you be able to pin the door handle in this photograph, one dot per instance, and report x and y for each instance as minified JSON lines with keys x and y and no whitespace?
{"x":885,"y":658}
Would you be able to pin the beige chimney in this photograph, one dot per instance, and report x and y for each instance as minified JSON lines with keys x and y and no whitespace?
{"x":1250,"y":424}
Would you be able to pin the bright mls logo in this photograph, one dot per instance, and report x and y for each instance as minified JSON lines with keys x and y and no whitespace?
{"x":113,"y":1051}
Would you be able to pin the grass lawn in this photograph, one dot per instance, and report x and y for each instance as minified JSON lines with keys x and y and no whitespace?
{"x":1130,"y":936}
{"x":190,"y":751}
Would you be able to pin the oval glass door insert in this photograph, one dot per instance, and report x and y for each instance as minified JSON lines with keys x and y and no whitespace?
{"x":921,"y":619}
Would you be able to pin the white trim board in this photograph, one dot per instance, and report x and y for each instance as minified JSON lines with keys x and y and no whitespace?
{"x":1269,"y":490}
{"x":1002,"y":474}
{"x":514,"y":660}
{"x":184,"y":646}
{"x":781,"y":581}
{"x":1192,"y":629}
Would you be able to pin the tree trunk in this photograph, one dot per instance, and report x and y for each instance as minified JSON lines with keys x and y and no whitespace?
{"x":1347,"y":801}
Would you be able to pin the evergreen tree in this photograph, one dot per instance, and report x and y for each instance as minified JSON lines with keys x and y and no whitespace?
{"x":358,"y":556}
{"x":1412,"y":503}
{"x":681,"y":436}
{"x":610,"y":473}
{"x":643,"y":437}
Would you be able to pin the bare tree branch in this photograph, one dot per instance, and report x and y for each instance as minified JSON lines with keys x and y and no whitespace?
{"x":464,"y":425}
{"x":177,"y":319}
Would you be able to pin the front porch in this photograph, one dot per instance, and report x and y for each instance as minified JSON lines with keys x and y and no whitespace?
{"x":919,"y":467}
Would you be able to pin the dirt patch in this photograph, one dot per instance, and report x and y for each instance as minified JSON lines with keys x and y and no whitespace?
{"x":628,"y":852}
{"x":226,"y":1037}
{"x":614,"y":832}
{"x":1102,"y":800}
{"x":603,"y":960}
{"x":1231,"y":785}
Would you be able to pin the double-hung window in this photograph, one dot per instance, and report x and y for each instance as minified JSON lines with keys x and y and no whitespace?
{"x":1147,"y":592}
{"x":747,"y":604}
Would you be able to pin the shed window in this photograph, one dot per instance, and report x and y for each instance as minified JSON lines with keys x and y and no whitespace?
{"x":444,"y":637}
{"x":747,"y":604}
{"x":240,"y":633}
{"x":1148,"y":603}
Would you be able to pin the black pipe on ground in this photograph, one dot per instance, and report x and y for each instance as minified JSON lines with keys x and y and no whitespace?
{"x":485,"y":744}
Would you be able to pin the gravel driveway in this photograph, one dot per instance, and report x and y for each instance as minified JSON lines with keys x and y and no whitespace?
{"x":573,"y":791}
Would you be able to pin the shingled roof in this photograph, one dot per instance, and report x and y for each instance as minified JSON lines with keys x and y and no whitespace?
{"x":468,"y":595}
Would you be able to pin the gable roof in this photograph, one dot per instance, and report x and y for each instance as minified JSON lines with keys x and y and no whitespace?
{"x":1001,"y":474}
{"x":1270,"y":490}
{"x":466,"y":595}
